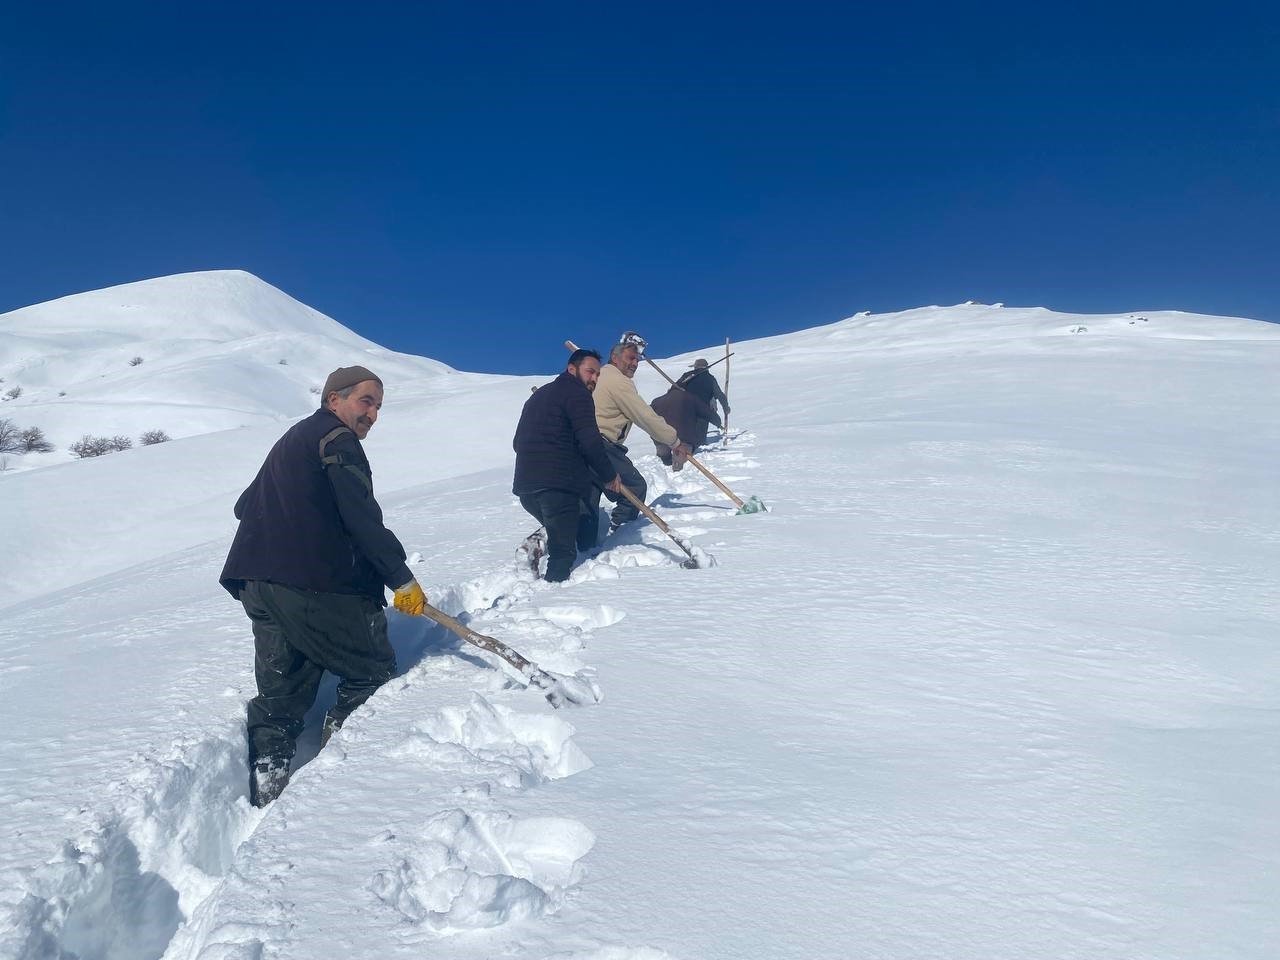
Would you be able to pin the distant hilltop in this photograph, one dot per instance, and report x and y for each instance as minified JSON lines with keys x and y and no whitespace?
{"x":181,"y":355}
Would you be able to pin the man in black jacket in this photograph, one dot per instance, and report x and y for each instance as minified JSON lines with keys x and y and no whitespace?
{"x":558,"y":449}
{"x":702,"y":383}
{"x":309,"y":563}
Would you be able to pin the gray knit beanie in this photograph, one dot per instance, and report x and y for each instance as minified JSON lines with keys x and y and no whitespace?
{"x":345,"y":377}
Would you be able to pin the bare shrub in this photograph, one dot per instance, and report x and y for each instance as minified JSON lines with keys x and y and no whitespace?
{"x":152,"y":437}
{"x":14,"y":393}
{"x":135,"y":361}
{"x":10,"y":436}
{"x":34,"y":441}
{"x":89,"y":446}
{"x":121,"y":443}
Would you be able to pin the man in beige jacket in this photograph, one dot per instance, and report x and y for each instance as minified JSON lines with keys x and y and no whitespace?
{"x":618,"y":406}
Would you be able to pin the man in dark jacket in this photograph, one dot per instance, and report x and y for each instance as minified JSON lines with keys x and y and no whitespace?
{"x":702,"y":383}
{"x":309,"y":563}
{"x":561,"y":461}
{"x":688,"y":414}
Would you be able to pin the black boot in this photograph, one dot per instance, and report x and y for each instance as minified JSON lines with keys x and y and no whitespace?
{"x":268,"y":776}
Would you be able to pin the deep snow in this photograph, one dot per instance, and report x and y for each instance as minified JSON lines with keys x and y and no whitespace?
{"x":995,"y":677}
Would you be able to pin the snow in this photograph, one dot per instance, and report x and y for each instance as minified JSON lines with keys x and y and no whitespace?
{"x":996,"y":676}
{"x":219,"y":350}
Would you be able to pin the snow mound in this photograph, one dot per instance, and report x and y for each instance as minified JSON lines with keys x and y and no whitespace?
{"x":533,"y":748}
{"x":186,"y":354}
{"x":471,"y":871}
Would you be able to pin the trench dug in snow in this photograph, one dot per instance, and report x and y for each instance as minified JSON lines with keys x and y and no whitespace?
{"x":162,"y":840}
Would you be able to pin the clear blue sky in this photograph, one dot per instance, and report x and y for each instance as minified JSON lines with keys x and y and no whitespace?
{"x":478,"y":181}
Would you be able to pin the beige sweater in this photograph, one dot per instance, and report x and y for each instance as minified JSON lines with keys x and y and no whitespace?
{"x":618,"y":405}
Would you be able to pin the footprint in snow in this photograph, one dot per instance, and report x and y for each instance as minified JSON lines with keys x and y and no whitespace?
{"x":471,"y":871}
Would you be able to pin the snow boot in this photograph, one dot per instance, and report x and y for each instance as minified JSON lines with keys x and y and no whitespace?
{"x":268,"y":776}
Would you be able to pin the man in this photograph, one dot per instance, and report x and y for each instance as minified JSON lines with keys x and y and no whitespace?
{"x":688,"y":414}
{"x":618,"y":405}
{"x":702,"y":383}
{"x":558,"y":449}
{"x":309,"y":562}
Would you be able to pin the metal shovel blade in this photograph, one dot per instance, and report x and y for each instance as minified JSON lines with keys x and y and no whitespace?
{"x":753,"y":505}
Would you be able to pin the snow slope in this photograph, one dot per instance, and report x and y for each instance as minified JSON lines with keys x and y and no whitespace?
{"x":212,"y":344}
{"x":219,"y":350}
{"x":996,"y":677}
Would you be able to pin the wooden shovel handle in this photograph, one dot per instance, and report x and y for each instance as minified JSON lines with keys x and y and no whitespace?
{"x":660,"y":524}
{"x":716,"y":480}
{"x":494,"y":646}
{"x":663,"y":372}
{"x":570,"y":345}
{"x":644,"y":508}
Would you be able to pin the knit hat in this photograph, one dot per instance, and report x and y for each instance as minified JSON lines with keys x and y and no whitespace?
{"x":345,"y":377}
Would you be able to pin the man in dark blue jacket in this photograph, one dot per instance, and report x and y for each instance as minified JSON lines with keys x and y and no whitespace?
{"x":309,"y":562}
{"x":561,"y":460}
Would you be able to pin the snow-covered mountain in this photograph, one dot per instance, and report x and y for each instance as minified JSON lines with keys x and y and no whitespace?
{"x":217,"y":350}
{"x":995,"y":678}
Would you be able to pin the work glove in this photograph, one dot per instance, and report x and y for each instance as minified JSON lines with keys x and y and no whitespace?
{"x":410,"y":599}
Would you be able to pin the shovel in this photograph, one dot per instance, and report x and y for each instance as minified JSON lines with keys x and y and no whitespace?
{"x":753,"y":505}
{"x":690,"y":564}
{"x":558,"y":688}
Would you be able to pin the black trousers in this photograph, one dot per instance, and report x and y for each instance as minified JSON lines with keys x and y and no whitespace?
{"x":297,"y":636}
{"x":623,"y":511}
{"x":571,"y":523}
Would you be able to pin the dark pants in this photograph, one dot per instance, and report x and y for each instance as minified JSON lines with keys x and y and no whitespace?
{"x":297,"y":636}
{"x":571,"y":523}
{"x":699,"y":433}
{"x":623,"y":511}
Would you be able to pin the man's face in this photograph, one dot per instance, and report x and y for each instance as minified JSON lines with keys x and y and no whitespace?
{"x":627,"y":361}
{"x":588,"y":371}
{"x":359,"y":409}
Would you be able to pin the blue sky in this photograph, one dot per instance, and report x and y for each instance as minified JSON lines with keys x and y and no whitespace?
{"x":478,"y":181}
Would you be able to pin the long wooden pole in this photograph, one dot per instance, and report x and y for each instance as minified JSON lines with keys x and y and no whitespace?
{"x":716,"y":480}
{"x":727,"y":355}
{"x":714,"y":363}
{"x":557,"y":692}
{"x":525,"y":666}
{"x":660,"y":524}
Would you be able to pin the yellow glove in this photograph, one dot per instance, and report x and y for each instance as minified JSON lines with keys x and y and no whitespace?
{"x":410,"y":599}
